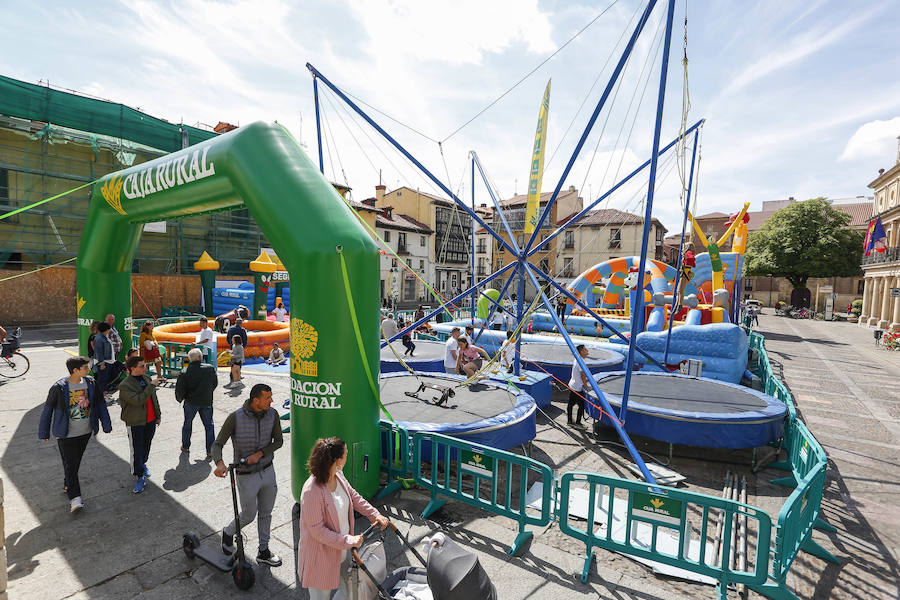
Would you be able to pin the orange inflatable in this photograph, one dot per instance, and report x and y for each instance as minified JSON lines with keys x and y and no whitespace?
{"x":261,"y":335}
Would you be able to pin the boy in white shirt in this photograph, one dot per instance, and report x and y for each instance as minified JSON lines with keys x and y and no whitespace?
{"x":207,"y":337}
{"x":450,"y":351}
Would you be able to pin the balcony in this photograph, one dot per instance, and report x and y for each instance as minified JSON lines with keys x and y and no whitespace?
{"x":889,"y":255}
{"x":401,"y":249}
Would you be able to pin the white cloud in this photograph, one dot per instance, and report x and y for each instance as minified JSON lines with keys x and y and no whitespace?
{"x":875,"y":139}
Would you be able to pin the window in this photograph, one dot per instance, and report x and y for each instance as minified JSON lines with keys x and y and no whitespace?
{"x":569,"y":240}
{"x":545,"y":265}
{"x":499,"y":244}
{"x":401,"y":242}
{"x":422,"y":240}
{"x":615,"y":238}
{"x":659,"y":236}
{"x":748,"y":285}
{"x":5,"y":201}
{"x":860,"y":287}
{"x":568,"y":268}
{"x":387,"y":236}
{"x":520,"y":240}
{"x":421,"y":265}
{"x":499,"y":263}
{"x":482,"y":246}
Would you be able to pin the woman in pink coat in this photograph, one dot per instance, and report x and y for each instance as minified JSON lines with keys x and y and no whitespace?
{"x":326,"y":520}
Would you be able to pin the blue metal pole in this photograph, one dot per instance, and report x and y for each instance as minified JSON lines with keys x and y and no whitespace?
{"x":637,"y":313}
{"x":512,"y":238}
{"x":472,"y":246}
{"x":410,"y":328}
{"x":318,"y":124}
{"x":687,"y":204}
{"x":612,"y":190}
{"x":635,"y":455}
{"x":587,"y":130}
{"x":588,"y":309}
{"x":404,"y":152}
{"x":520,"y":315}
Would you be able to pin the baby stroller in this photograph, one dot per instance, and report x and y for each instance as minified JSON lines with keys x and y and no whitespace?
{"x":450,"y":573}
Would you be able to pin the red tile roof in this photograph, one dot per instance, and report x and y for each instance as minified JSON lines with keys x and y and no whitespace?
{"x":401,"y":222}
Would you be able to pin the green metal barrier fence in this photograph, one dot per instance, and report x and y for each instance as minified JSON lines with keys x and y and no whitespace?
{"x":174,"y":356}
{"x":800,"y":513}
{"x":649,"y":510}
{"x":182,"y":311}
{"x":487,"y":478}
{"x":396,"y":460}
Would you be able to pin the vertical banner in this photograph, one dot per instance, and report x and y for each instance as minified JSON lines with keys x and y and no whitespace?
{"x":537,"y":164}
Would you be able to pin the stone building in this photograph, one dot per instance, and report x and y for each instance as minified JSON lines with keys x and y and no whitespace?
{"x":881,"y":296}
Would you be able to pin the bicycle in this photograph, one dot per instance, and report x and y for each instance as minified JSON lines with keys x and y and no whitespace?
{"x":12,"y":362}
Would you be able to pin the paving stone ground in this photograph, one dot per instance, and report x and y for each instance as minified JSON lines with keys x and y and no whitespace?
{"x":128,"y":546}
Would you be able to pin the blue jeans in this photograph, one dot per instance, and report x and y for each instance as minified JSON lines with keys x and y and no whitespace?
{"x":206,"y":414}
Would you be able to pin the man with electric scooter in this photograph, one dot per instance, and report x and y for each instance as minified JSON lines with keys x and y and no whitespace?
{"x":255,"y":433}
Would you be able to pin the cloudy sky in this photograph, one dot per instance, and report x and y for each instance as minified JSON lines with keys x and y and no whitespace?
{"x":801,"y":98}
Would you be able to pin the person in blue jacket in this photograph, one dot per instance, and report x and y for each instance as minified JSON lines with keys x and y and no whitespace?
{"x":73,"y":410}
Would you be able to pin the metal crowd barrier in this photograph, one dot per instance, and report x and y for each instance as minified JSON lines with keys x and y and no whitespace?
{"x":396,"y":460}
{"x":174,"y":356}
{"x":484,"y":477}
{"x":182,"y":311}
{"x":649,"y":510}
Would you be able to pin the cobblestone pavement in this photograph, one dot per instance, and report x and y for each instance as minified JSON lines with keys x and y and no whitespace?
{"x":126,"y":545}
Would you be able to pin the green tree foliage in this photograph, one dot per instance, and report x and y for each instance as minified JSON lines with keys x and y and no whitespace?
{"x":803,"y":240}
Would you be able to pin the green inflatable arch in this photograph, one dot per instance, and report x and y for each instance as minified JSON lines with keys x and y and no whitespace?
{"x":334,"y":337}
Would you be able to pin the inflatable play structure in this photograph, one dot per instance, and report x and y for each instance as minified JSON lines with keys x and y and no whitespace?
{"x":261,"y":335}
{"x":333,"y":376}
{"x":225,"y":299}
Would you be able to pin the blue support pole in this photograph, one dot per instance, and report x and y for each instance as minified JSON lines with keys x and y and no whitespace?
{"x":472,"y":246}
{"x":687,"y":204}
{"x":587,"y":130}
{"x":520,"y":315}
{"x":318,"y":124}
{"x":619,"y":427}
{"x":589,"y":310}
{"x":512,"y":238}
{"x":611,"y":190}
{"x":426,"y":318}
{"x":637,"y":313}
{"x":404,"y":152}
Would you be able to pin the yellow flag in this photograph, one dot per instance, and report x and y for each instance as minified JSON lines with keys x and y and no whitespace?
{"x":537,"y":164}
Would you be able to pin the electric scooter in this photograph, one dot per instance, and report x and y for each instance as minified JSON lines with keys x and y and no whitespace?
{"x":241,"y":570}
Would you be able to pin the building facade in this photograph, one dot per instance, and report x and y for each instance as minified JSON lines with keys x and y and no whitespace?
{"x":881,"y":307}
{"x":611,"y":233}
{"x":484,"y":245}
{"x":449,"y":246}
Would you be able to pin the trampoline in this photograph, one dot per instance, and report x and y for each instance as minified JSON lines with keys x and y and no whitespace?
{"x":693,"y":411}
{"x":556,"y":359}
{"x":483,"y":413}
{"x":429,"y":356}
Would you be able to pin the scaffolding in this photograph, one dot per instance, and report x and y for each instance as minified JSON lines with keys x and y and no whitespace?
{"x":54,"y":140}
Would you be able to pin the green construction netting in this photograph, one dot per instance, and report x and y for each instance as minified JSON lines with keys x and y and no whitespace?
{"x":42,"y":103}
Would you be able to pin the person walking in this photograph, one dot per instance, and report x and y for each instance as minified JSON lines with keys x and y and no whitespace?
{"x":103,"y":355}
{"x":451,"y":349}
{"x":73,"y":410}
{"x":255,"y":434}
{"x":327,"y":503}
{"x":141,"y":414}
{"x":149,"y":349}
{"x":207,"y":337}
{"x":577,"y":384}
{"x":237,"y":329}
{"x":194,"y":388}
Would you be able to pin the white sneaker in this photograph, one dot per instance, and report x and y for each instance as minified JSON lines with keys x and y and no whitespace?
{"x":76,"y":504}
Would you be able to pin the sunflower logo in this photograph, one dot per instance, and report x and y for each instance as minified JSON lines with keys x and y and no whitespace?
{"x":112,"y":193}
{"x":304,"y":339}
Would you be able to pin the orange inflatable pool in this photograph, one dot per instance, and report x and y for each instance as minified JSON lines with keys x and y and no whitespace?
{"x":261,"y":335}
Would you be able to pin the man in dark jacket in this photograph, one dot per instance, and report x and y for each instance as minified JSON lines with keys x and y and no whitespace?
{"x":237,"y":329}
{"x":140,"y":411}
{"x":73,"y":410}
{"x":194,"y":387}
{"x":103,"y":354}
{"x":255,"y":433}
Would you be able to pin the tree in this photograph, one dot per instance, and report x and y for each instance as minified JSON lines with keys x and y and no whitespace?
{"x":805,"y":239}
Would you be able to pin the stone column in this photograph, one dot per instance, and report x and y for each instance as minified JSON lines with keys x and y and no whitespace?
{"x":867,"y":300}
{"x":896,"y":318}
{"x":884,"y":317}
{"x":874,"y":301}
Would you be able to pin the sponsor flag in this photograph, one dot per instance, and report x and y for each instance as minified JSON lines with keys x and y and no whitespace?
{"x":537,"y":164}
{"x":876,"y":238}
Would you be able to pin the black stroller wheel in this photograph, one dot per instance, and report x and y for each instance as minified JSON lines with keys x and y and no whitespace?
{"x":190,"y":543}
{"x":243,"y":576}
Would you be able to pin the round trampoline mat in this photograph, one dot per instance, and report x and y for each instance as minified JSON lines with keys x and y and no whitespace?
{"x":476,"y":402}
{"x":560,"y":354}
{"x":425,"y":350}
{"x":682,"y":394}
